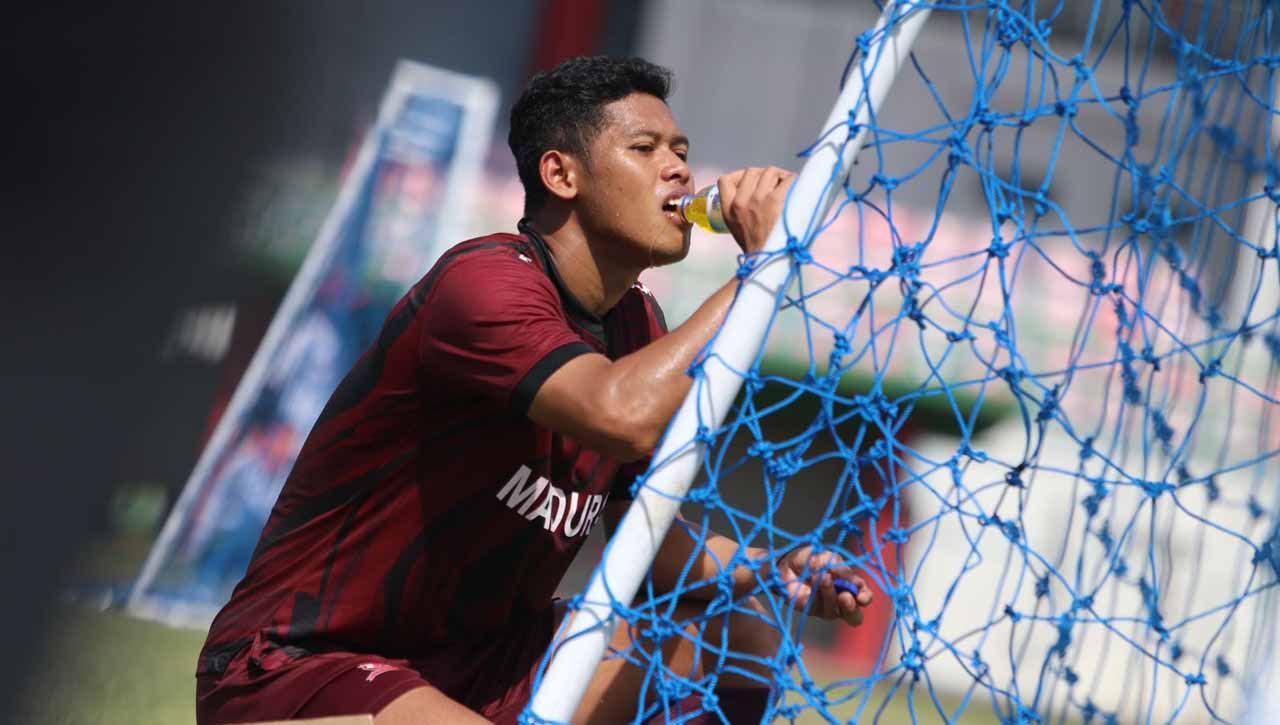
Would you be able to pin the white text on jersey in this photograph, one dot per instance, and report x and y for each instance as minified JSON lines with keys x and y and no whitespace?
{"x":578,"y":512}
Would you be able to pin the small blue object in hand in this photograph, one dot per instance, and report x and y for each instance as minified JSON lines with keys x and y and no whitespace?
{"x":845,"y":586}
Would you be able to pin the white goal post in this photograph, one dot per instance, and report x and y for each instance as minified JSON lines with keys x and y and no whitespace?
{"x":582,"y":642}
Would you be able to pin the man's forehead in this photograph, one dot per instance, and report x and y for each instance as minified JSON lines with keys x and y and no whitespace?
{"x":639,"y":114}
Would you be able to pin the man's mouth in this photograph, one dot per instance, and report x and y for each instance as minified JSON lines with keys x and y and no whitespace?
{"x":671,"y":208}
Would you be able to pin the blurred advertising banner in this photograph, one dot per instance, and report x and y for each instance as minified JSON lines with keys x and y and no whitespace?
{"x":405,"y":198}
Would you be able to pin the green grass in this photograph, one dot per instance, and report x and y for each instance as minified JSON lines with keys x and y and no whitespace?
{"x":104,"y":668}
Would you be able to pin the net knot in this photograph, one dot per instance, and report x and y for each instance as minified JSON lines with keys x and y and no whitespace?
{"x":1274,"y":251}
{"x":840,"y":345}
{"x":906,"y":260}
{"x":784,"y":466}
{"x":863,"y":42}
{"x":704,"y":435}
{"x":888,"y":182}
{"x":873,"y":276}
{"x":1211,"y":489}
{"x":1014,"y":615}
{"x":1048,"y":404}
{"x":1149,"y":356}
{"x":972,"y":453}
{"x":1014,"y":476}
{"x":1155,"y":488}
{"x":660,"y":630}
{"x":1066,"y":109}
{"x":1151,"y":599}
{"x":913,"y":659}
{"x":1220,"y":664}
{"x":1269,"y":552}
{"x":705,"y":495}
{"x":1008,"y":528}
{"x":673,"y":689}
{"x":1064,"y":624}
{"x":998,"y":249}
{"x":1008,"y":28}
{"x":1097,"y":274}
{"x":1086,"y":449}
{"x":799,"y":252}
{"x":960,"y":152}
{"x":980,"y":668}
{"x":1104,"y":538}
{"x":1212,"y":370}
{"x":1197,"y":678}
{"x":1011,"y":375}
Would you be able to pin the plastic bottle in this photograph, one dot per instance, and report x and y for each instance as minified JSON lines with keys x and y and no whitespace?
{"x":703,"y":209}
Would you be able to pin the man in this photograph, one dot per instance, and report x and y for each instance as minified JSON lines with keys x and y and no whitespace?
{"x":408,"y":568}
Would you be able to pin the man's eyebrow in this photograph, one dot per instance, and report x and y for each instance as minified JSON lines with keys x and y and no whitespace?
{"x":677,"y":140}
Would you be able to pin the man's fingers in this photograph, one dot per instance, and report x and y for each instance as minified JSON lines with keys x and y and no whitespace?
{"x":854,"y":618}
{"x":770,"y":179}
{"x":728,"y":185}
{"x":749,"y":184}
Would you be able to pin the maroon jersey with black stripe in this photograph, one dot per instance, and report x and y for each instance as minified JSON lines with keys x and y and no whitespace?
{"x":425,"y":506}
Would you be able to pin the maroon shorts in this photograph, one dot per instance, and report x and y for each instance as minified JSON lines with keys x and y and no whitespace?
{"x":493,"y":676}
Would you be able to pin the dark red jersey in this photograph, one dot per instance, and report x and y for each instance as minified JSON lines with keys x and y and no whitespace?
{"x":425,"y":507}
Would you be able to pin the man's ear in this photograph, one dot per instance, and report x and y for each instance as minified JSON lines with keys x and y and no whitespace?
{"x":561,"y":174}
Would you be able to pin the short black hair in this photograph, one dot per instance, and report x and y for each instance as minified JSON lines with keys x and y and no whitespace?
{"x":563,"y":109}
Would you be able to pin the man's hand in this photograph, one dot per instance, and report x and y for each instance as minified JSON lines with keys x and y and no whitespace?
{"x":752,"y":200}
{"x":809,"y":576}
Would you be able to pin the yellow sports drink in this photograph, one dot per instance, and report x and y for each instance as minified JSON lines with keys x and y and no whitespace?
{"x":703,"y":209}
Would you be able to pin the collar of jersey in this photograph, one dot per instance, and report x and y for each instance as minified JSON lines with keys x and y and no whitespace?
{"x":576,"y":310}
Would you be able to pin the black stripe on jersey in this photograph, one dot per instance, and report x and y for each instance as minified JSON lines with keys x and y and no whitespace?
{"x":527,"y":388}
{"x":458,"y":523}
{"x":338,"y":496}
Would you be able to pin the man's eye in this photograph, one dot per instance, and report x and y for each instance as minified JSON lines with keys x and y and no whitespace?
{"x":684,"y":155}
{"x":643,"y":147}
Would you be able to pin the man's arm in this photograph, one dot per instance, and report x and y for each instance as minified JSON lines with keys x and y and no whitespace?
{"x":804,"y":575}
{"x":621,"y":407}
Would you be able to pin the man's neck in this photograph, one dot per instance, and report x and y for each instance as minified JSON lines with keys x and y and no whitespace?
{"x":591,"y":276}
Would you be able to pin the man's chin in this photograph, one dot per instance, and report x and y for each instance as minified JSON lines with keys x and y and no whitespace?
{"x":661,"y":257}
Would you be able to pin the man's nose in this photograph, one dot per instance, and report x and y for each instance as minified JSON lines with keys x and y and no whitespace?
{"x":677,"y":170}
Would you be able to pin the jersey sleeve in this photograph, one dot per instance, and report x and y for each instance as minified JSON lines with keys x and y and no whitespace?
{"x":651,"y":324}
{"x":494,"y":325}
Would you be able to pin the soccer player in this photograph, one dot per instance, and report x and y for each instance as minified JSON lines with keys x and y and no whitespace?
{"x":409,"y":565}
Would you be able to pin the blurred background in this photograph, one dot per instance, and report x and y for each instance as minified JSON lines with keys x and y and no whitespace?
{"x":171,"y":167}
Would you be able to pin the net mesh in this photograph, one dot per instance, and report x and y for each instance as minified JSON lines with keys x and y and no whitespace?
{"x":1024,"y":379}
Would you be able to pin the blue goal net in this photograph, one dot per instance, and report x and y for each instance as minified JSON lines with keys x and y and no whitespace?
{"x":1032,"y":385}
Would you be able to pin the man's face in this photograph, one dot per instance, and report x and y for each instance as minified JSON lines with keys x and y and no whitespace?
{"x":638,"y":162}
